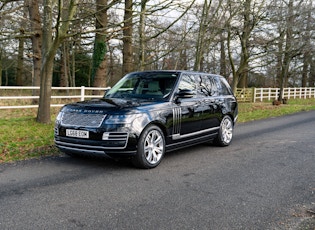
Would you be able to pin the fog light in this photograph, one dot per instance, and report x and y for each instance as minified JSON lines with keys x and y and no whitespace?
{"x":105,"y":136}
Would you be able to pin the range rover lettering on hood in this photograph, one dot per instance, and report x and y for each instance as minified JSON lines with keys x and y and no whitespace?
{"x":90,"y":111}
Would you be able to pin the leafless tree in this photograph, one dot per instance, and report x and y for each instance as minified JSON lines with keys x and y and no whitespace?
{"x":50,"y":46}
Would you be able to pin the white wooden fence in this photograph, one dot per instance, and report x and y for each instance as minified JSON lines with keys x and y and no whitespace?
{"x":270,"y":94}
{"x":261,"y":94}
{"x":21,"y":97}
{"x":59,"y":94}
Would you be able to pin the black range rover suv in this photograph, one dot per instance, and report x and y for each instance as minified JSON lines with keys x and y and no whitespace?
{"x":148,"y":113}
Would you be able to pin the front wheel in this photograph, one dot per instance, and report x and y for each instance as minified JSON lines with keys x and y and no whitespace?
{"x":151,"y":148}
{"x":225,"y":134}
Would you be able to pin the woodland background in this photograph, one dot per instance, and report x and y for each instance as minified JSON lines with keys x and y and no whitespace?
{"x":253,"y":43}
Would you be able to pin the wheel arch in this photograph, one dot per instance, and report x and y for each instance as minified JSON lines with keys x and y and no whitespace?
{"x":158,"y":124}
{"x":141,"y":159}
{"x":231,"y":116}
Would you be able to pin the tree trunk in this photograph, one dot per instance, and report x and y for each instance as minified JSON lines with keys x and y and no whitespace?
{"x":99,"y":71}
{"x":0,"y":66}
{"x":311,"y":80}
{"x":183,"y":63}
{"x":235,"y":77}
{"x":36,"y":38}
{"x":49,"y":50}
{"x":287,"y":51}
{"x":279,"y":57}
{"x":222,"y":57}
{"x":64,"y":79}
{"x":43,"y":114}
{"x":142,"y":37}
{"x":307,"y":49}
{"x":73,"y":67}
{"x":248,"y":24}
{"x":127,"y":39}
{"x":20,"y":60}
{"x":201,"y":35}
{"x":305,"y":69}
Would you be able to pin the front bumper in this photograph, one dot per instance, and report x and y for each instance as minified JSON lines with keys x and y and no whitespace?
{"x":112,"y":148}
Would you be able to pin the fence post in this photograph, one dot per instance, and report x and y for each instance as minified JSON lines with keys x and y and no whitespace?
{"x":253,"y":94}
{"x":82,"y":93}
{"x":305,"y":92}
{"x":289,"y":93}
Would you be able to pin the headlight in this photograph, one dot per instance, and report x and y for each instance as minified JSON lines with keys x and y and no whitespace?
{"x":57,"y":122}
{"x":58,"y":118}
{"x":121,"y":119}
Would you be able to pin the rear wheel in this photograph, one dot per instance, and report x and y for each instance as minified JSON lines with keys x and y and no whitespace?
{"x":151,"y":148}
{"x":225,"y":134}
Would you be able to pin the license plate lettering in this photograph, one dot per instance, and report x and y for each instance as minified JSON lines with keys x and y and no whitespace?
{"x":77,"y":133}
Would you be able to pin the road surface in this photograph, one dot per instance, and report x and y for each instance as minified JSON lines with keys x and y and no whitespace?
{"x":264,"y":180}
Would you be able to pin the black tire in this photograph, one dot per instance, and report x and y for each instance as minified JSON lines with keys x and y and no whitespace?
{"x":151,"y":148}
{"x":225,"y":134}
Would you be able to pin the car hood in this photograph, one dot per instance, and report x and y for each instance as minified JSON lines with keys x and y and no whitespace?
{"x":105,"y":105}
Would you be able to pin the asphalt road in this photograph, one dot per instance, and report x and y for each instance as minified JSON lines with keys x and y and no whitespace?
{"x":264,"y":180}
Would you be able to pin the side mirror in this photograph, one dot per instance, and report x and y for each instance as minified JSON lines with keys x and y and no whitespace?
{"x":185,"y":93}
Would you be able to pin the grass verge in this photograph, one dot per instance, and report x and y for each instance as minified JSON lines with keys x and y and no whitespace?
{"x":257,"y":111}
{"x":21,"y":137}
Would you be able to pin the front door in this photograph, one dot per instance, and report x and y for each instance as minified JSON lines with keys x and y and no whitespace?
{"x":188,"y":111}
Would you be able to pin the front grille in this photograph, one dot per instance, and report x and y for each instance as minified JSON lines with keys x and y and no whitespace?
{"x":82,"y":120}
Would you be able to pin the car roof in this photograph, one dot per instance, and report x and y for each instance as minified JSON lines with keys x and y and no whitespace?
{"x":175,"y":71}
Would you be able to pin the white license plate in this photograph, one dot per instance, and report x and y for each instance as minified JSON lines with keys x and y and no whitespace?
{"x":77,"y":133}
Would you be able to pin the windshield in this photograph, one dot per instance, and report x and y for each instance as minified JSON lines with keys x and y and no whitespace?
{"x":145,"y":85}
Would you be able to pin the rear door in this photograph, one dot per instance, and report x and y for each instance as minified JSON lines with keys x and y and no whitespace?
{"x":211,"y":100}
{"x":189,"y":109}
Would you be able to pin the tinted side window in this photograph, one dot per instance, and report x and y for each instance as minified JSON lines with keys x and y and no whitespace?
{"x":203,"y":89}
{"x":225,"y":87}
{"x":208,"y":86}
{"x":215,"y":87}
{"x":188,"y":81}
{"x":205,"y":85}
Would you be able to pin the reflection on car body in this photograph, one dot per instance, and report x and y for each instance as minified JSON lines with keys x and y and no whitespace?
{"x":148,"y":113}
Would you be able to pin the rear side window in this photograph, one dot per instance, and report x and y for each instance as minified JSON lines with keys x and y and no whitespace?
{"x":225,"y":87}
{"x":207,"y":86}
